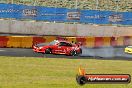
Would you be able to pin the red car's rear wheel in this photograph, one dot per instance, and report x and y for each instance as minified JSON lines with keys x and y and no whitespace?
{"x":73,"y":53}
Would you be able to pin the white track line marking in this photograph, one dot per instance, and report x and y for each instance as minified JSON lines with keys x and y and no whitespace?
{"x":2,"y":50}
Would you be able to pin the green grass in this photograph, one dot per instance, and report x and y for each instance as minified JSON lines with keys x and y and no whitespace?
{"x":29,"y":72}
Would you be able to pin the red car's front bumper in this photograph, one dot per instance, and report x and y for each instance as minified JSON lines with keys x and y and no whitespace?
{"x":38,"y":50}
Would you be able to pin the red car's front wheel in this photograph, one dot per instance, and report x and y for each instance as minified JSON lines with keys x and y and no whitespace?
{"x":48,"y":51}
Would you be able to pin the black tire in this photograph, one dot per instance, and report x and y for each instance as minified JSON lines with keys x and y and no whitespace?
{"x":80,"y":51}
{"x":81,"y":80}
{"x":73,"y":53}
{"x":48,"y":51}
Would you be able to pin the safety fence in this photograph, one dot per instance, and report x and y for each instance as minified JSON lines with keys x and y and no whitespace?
{"x":90,"y":42}
{"x":52,"y":14}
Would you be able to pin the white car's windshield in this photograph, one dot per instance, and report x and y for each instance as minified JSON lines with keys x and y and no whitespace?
{"x":129,"y":46}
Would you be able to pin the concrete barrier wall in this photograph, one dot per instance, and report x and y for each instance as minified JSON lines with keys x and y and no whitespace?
{"x":88,"y":42}
{"x":103,"y":31}
{"x":63,"y":29}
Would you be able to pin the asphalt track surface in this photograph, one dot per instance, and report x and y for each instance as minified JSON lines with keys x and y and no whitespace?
{"x":20,"y":52}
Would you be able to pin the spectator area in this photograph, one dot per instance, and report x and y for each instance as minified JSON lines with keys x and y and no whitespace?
{"x":112,"y":5}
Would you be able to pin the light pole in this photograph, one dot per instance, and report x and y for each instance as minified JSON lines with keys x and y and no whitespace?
{"x":117,"y":8}
{"x":97,"y":3}
{"x":117,"y":5}
{"x":34,"y":3}
{"x":76,"y":4}
{"x":55,"y":10}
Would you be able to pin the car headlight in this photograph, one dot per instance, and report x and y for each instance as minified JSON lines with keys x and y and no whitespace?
{"x":34,"y":46}
{"x":40,"y":47}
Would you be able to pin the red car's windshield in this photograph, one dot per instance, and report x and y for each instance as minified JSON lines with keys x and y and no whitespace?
{"x":53,"y":42}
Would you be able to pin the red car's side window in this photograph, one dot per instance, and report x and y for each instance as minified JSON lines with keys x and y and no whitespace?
{"x":65,"y":44}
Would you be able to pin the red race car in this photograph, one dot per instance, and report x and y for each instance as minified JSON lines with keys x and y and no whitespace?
{"x":58,"y":47}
